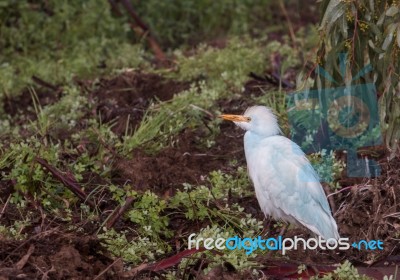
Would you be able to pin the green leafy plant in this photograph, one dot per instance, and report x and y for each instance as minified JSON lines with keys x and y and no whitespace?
{"x":369,"y":32}
{"x":327,"y":166}
{"x":134,"y":251}
{"x":20,"y":157}
{"x":346,"y":271}
{"x":15,"y":230}
{"x":147,"y":212}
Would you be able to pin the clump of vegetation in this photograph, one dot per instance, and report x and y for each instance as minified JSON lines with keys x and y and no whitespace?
{"x":151,"y":215}
{"x":369,"y":32}
{"x":345,"y":271}
{"x":133,"y":251}
{"x":93,"y":42}
{"x":328,"y":167}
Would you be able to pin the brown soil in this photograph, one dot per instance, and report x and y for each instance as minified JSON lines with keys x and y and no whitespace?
{"x":188,"y":162}
{"x":55,"y":255}
{"x":21,"y":108}
{"x":127,"y":96}
{"x":171,"y":167}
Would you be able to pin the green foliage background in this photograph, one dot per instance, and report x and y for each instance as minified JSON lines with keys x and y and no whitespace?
{"x":177,"y":22}
{"x":58,"y":40}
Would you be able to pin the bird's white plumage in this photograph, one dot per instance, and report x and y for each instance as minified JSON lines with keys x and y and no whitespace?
{"x":285,"y":183}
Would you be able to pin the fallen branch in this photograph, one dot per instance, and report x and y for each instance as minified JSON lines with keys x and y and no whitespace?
{"x":117,"y":213}
{"x":5,"y":206}
{"x":67,"y":180}
{"x":21,"y":263}
{"x":43,"y":83}
{"x":341,"y":190}
{"x":163,"y":264}
{"x":273,"y":78}
{"x":107,"y":269}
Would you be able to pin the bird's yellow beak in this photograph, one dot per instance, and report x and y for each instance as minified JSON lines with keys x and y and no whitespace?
{"x":235,"y":118}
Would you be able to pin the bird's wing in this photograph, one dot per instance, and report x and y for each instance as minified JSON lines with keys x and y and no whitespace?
{"x":289,"y":181}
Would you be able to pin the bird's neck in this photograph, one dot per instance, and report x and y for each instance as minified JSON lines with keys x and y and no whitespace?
{"x":264,"y":133}
{"x":252,"y":140}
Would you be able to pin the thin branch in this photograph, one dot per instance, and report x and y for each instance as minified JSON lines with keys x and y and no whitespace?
{"x":117,"y":213}
{"x":144,"y":30}
{"x":43,"y":83}
{"x":21,"y":263}
{"x":290,"y":26}
{"x":68,"y":180}
{"x":107,"y":268}
{"x":5,"y":206}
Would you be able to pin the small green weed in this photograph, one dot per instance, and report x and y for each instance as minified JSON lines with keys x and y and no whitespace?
{"x":147,"y":213}
{"x":138,"y":250}
{"x":327,"y":166}
{"x":346,"y":271}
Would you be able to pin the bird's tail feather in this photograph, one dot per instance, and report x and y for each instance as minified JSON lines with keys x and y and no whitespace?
{"x":326,"y":227}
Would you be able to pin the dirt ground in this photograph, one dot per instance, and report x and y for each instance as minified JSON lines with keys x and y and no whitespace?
{"x":365,"y":209}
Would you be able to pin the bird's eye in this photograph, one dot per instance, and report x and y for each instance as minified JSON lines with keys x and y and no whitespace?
{"x":248,"y":119}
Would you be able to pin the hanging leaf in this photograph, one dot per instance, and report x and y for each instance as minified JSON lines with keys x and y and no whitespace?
{"x":381,"y":19}
{"x":372,"y":6}
{"x":375,"y":29}
{"x":389,"y":36}
{"x":392,"y":11}
{"x":369,"y":31}
{"x":344,"y":27}
{"x":334,"y":11}
{"x":398,"y":36}
{"x":375,"y":48}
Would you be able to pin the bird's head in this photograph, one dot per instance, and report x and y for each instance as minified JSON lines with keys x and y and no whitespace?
{"x":257,"y":119}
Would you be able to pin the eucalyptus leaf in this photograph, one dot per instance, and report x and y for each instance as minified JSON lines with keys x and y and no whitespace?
{"x":392,"y":11}
{"x":381,"y":19}
{"x":389,"y":36}
{"x":398,"y":36}
{"x":337,"y":13}
{"x":372,"y":6}
{"x":375,"y":48}
{"x":375,"y":29}
{"x":344,"y":27}
{"x":334,"y":11}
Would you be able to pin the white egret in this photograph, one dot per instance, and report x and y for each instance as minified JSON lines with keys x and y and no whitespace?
{"x":286,"y":185}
